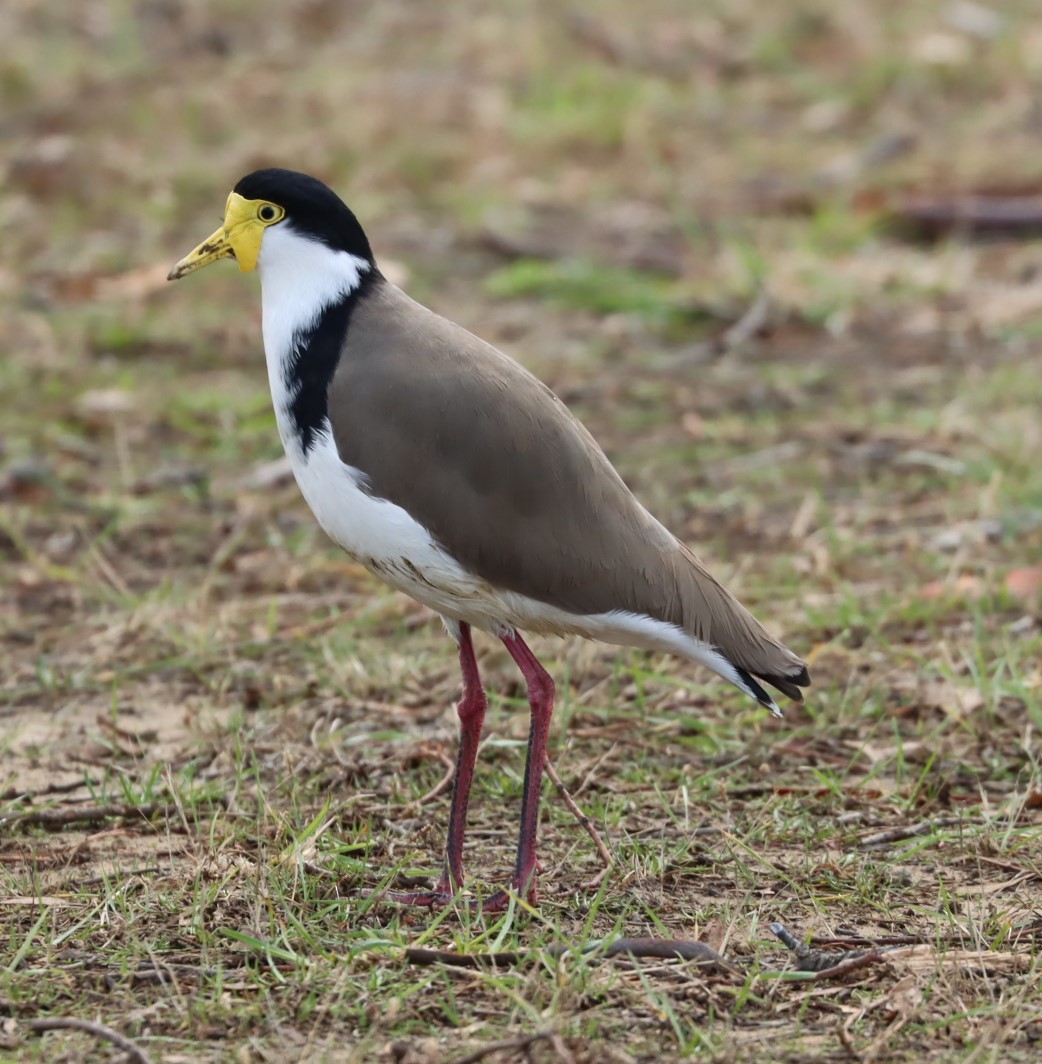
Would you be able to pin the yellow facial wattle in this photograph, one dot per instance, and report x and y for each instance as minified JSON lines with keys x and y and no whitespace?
{"x":239,"y":238}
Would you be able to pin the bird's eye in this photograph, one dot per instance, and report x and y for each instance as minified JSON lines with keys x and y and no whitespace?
{"x":268,"y":213}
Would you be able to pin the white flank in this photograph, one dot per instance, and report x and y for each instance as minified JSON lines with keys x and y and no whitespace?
{"x":299,"y":279}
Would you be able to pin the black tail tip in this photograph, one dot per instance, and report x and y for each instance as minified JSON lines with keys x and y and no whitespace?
{"x":788,"y":685}
{"x":753,"y":688}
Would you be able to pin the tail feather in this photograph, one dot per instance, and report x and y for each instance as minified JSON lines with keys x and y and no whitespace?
{"x":751,"y":687}
{"x":703,"y":606}
{"x":710,"y":612}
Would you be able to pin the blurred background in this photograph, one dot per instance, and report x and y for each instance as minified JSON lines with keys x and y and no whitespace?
{"x":782,"y":258}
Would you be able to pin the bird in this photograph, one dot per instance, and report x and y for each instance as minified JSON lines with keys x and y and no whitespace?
{"x":456,"y":476}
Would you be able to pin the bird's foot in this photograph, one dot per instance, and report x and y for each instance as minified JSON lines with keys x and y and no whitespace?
{"x":497,"y":903}
{"x":425,"y":899}
{"x":500,"y":901}
{"x":441,"y":897}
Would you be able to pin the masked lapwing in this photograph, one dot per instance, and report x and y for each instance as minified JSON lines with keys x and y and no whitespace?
{"x":453,"y":474}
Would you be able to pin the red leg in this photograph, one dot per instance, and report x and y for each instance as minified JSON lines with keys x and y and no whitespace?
{"x":472,"y":714}
{"x":541,"y":699}
{"x":471,"y":710}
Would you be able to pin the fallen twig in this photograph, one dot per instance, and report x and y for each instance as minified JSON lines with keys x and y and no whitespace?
{"x":444,"y":784}
{"x":660,"y":948}
{"x":753,"y":320}
{"x":748,"y":325}
{"x":98,"y":1030}
{"x":17,"y":794}
{"x":587,"y":825}
{"x":909,"y":831}
{"x":525,"y":1042}
{"x":980,"y":214}
{"x":852,"y":941}
{"x":86,"y":814}
{"x":94,"y":814}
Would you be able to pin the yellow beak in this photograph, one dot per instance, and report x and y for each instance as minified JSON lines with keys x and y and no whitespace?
{"x":239,"y":238}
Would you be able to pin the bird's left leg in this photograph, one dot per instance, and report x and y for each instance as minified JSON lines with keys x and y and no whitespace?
{"x":471,"y":711}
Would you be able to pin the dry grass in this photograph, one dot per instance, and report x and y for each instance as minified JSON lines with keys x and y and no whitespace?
{"x":216,"y":725}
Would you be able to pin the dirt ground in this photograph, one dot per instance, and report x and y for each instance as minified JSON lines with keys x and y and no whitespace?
{"x":783,"y":261}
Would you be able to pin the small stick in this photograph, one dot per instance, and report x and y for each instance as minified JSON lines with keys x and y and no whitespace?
{"x":525,"y":1042}
{"x":93,"y":814}
{"x":659,"y":948}
{"x":909,"y":831}
{"x":748,"y":325}
{"x":425,"y":957}
{"x":99,"y":1030}
{"x":85,"y":814}
{"x":587,"y":825}
{"x":439,"y":788}
{"x":13,"y":793}
{"x":753,"y":319}
{"x":857,"y":940}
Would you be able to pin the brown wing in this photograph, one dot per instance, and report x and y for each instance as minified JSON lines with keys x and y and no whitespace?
{"x":511,"y":484}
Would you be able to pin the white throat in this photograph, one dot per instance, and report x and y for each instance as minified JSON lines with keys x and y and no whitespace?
{"x":299,"y":277}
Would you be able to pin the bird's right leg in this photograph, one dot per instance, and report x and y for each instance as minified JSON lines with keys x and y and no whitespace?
{"x":541,"y":700}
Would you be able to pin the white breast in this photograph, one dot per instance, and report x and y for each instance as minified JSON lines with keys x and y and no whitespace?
{"x":299,"y":279}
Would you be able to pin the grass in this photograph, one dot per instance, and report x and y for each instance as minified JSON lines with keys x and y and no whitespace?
{"x":249,"y":726}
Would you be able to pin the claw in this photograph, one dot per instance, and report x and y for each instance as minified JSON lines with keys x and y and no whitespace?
{"x":426,"y":899}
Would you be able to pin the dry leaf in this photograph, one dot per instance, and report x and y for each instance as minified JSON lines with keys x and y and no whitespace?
{"x":912,"y":752}
{"x":105,"y":404}
{"x":905,"y":996}
{"x":963,"y":586}
{"x":693,"y":424}
{"x":1025,"y":584}
{"x":927,"y":959}
{"x":714,"y":933}
{"x":134,"y":284}
{"x":36,"y":900}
